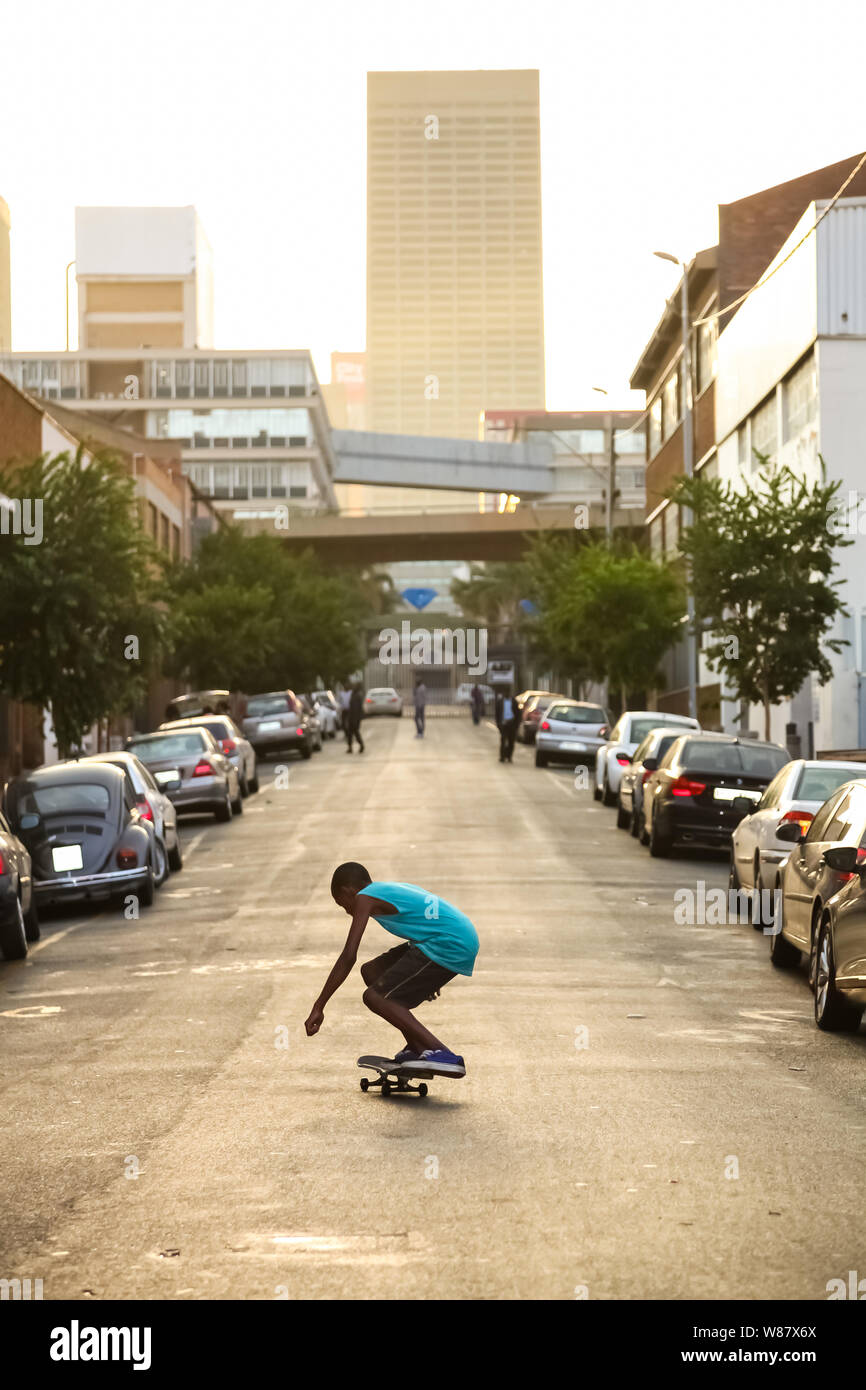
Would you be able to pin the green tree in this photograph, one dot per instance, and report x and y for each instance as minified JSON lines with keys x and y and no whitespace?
{"x":761,"y":559}
{"x":80,"y":625}
{"x":290,"y":621}
{"x":492,"y":595}
{"x":605,"y":612}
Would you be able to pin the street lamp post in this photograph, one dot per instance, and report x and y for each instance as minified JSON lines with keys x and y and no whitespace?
{"x":688,"y":467}
{"x":611,"y":471}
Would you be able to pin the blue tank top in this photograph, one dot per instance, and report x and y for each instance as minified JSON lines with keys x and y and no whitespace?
{"x":439,"y":929}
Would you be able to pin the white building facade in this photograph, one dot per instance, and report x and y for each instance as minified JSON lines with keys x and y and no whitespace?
{"x":791,"y":384}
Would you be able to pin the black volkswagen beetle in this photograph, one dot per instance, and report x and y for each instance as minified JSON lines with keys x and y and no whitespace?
{"x":84,"y":833}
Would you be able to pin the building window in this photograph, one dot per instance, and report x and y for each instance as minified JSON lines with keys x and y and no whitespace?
{"x":743,"y":444}
{"x":630,"y":442}
{"x":799,"y":399}
{"x":670,"y":405}
{"x":162,"y":379}
{"x":764,"y":431}
{"x":202,"y":379}
{"x":705,"y":355}
{"x":655,"y":426}
{"x":183,"y":379}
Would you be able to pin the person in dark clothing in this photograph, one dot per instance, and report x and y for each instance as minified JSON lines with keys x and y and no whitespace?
{"x":353,"y":719}
{"x":507,"y":719}
{"x":476,"y":698}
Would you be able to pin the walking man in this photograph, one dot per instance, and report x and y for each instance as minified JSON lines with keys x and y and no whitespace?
{"x":353,"y":719}
{"x":420,"y":707}
{"x":507,"y":719}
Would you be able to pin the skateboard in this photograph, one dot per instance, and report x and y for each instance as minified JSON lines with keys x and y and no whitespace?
{"x":388,"y":1069}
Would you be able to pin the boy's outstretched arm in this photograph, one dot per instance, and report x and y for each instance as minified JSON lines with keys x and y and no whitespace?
{"x":343,"y":964}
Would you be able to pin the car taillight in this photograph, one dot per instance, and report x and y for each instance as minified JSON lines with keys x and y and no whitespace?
{"x":299,"y":731}
{"x":228,"y":745}
{"x":684,"y":786}
{"x":802,"y":818}
{"x":126,"y":858}
{"x":144,"y":808}
{"x":369,"y":700}
{"x":544,"y":726}
{"x":623,"y":759}
{"x":2,"y":865}
{"x":202,"y":769}
{"x":394,"y":699}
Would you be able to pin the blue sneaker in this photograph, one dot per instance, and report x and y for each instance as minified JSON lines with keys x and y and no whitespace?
{"x":406,"y":1054}
{"x":441,"y":1062}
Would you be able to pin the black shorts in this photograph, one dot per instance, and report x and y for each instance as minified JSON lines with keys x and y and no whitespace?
{"x":406,"y":975}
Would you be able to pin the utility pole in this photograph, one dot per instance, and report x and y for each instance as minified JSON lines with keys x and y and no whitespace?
{"x":611,"y":476}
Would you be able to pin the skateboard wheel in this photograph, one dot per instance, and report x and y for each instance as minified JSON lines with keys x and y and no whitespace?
{"x":365,"y":1083}
{"x":422,"y":1089}
{"x":386,"y":1088}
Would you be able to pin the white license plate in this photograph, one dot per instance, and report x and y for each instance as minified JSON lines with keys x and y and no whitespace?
{"x":269,"y":726}
{"x":573,"y":745}
{"x":172,"y":775}
{"x":65,"y":857}
{"x":731,"y":793}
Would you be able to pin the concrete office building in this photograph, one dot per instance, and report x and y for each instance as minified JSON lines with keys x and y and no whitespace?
{"x":454,"y":277}
{"x":580,"y":441}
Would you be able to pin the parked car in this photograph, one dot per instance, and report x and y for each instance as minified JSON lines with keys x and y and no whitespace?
{"x":198,"y":702}
{"x":156,"y":808}
{"x":236,"y":748}
{"x":277,"y":723}
{"x":314,"y":721}
{"x":569,"y":732}
{"x":85,"y":835}
{"x":328,"y":711}
{"x":526,"y":695}
{"x":837,"y":946}
{"x":808,"y":882}
{"x":192,"y":770}
{"x":531,"y":714}
{"x":690,"y":798}
{"x":635,"y":774}
{"x":383,"y":699}
{"x":795,"y":795}
{"x":19,"y":918}
{"x":630,"y":729}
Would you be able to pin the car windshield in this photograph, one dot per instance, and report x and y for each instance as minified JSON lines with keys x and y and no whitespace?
{"x":641,"y":727}
{"x":63,"y":798}
{"x":819,"y":783}
{"x":733,"y":757}
{"x":267,"y":704}
{"x":156,"y":750}
{"x":576,"y":714}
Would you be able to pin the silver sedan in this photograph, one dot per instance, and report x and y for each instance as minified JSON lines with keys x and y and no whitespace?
{"x":569,"y":731}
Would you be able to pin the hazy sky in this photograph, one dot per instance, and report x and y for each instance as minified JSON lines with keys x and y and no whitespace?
{"x":651,"y":114}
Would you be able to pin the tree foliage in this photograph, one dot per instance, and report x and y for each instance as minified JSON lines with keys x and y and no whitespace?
{"x":73,"y":602}
{"x":761,"y":559}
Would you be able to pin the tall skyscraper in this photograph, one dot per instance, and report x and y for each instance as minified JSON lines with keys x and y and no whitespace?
{"x":454,"y":282}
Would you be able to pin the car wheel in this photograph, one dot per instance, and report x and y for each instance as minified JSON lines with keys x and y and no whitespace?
{"x":540,"y":759}
{"x":224,"y":810}
{"x":833,"y":1013}
{"x":13,"y":936}
{"x":635,"y":823}
{"x":643,"y":833}
{"x":623,"y":819}
{"x":306,"y":752}
{"x":148,"y":888}
{"x":31,"y":919}
{"x":238,"y":803}
{"x":161,"y":868}
{"x":254,"y":782}
{"x":607,"y":797}
{"x":175,"y":856}
{"x":659,"y":846}
{"x":245,"y":788}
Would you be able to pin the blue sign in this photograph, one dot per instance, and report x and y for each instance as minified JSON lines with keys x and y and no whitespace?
{"x":528,"y":606}
{"x":419,"y":598}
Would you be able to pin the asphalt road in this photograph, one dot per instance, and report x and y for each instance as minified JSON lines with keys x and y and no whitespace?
{"x":167,"y":1130}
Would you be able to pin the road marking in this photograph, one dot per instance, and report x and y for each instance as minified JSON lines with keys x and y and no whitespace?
{"x":57,"y":936}
{"x":558,"y":782}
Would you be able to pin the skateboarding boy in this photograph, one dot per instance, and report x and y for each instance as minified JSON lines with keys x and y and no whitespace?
{"x":439,"y":942}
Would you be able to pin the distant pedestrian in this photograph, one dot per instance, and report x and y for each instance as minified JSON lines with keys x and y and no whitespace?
{"x":345,"y":697}
{"x":420,"y":708}
{"x":353,"y":719}
{"x":476,"y":698}
{"x":507,"y":719}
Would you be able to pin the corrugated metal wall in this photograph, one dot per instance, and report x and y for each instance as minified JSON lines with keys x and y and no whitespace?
{"x":842,"y":269}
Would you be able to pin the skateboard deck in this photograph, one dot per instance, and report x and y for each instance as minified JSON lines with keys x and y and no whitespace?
{"x":392,"y":1076}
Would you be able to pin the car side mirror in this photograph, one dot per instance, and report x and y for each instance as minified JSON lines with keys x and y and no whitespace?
{"x":29,"y":822}
{"x":790,"y":832}
{"x":744,"y":805}
{"x":604,"y":731}
{"x":842,"y":858}
{"x":650,"y":764}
